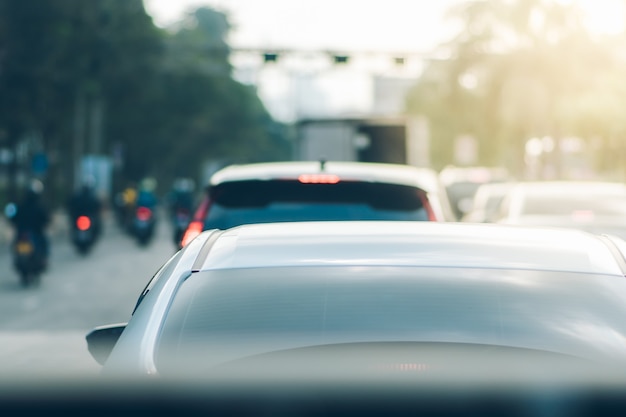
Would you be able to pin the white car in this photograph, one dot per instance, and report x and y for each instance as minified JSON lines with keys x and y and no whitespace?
{"x":364,"y":300}
{"x":593,"y":206}
{"x":318,"y":191}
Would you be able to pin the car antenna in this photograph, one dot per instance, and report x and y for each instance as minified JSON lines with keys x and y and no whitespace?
{"x":322,"y":164}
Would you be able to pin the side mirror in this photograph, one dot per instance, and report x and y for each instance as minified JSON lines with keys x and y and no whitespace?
{"x":102,"y":339}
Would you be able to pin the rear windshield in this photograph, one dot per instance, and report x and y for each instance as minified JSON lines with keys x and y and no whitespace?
{"x":235,"y":313}
{"x":257,"y":201}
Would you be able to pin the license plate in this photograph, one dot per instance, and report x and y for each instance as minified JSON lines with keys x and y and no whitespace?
{"x":24,"y":248}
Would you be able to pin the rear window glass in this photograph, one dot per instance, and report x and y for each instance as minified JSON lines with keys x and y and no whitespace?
{"x":258,"y":201}
{"x":222,"y":315}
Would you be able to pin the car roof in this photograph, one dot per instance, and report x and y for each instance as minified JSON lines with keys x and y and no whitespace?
{"x":422,"y":244}
{"x":550,"y":187}
{"x":423,"y":178}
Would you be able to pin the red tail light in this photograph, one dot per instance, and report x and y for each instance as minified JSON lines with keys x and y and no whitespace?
{"x":83,"y":223}
{"x":193,"y":230}
{"x":197,"y":225}
{"x":144,"y":213}
{"x":319,"y":179}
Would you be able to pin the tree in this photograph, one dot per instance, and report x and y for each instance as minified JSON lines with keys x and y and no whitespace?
{"x":202,"y":112}
{"x":93,"y":77}
{"x":528,"y":61}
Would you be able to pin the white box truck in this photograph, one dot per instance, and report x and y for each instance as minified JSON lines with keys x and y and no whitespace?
{"x":400,"y":140}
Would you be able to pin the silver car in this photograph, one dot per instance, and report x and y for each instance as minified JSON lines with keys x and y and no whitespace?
{"x":375,"y":300}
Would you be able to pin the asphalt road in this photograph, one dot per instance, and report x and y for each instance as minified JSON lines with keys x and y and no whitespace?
{"x":42,"y":329}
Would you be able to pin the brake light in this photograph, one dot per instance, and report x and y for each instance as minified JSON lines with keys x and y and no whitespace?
{"x":197,"y":225}
{"x":83,"y":223}
{"x":144,"y":213}
{"x":319,"y":179}
{"x":193,"y":230}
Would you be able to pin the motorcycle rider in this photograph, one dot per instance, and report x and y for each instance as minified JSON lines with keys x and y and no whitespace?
{"x":146,"y":194}
{"x":125,"y":203}
{"x":180,"y":204}
{"x":32,"y":216}
{"x":144,"y":222}
{"x":181,"y":197}
{"x":85,"y":202}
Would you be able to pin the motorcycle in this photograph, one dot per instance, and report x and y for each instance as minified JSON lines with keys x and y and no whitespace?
{"x":84,"y":233}
{"x":143,"y":225}
{"x":28,"y":258}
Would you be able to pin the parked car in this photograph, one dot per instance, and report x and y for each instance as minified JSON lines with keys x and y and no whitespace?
{"x":597,"y":207}
{"x":357,"y":301}
{"x":318,"y":191}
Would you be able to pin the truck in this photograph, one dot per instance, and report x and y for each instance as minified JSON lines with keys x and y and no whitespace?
{"x":389,"y":139}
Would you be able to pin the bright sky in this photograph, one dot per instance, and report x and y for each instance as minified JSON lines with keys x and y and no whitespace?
{"x":313,"y":86}
{"x":390,"y":24}
{"x":351,"y":25}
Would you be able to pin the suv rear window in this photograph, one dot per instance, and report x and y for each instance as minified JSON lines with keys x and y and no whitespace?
{"x":258,"y":201}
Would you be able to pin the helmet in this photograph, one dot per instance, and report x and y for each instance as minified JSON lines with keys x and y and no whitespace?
{"x":34,"y":190}
{"x":148,"y":184}
{"x":184,"y":185}
{"x":35,"y":187}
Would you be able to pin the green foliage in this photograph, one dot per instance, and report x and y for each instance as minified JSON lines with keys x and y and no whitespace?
{"x":93,"y":76}
{"x":535,"y":71}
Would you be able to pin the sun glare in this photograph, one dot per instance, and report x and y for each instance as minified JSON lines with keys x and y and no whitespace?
{"x":603,"y":17}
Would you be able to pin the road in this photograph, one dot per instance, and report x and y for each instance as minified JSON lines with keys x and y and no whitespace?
{"x":42,"y":329}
